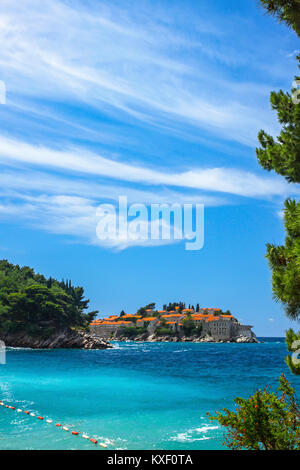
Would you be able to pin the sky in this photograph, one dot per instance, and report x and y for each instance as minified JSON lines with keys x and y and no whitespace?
{"x":160,"y":102}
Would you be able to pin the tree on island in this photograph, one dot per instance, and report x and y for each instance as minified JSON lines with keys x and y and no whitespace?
{"x":227,"y":312}
{"x":143,"y":310}
{"x":188,"y":325}
{"x":172,"y":306}
{"x":266,"y":420}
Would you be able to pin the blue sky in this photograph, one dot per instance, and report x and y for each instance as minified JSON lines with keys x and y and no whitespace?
{"x":160,"y":101}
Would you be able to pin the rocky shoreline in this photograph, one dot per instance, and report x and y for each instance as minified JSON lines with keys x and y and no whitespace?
{"x":61,"y":340}
{"x":188,"y":339}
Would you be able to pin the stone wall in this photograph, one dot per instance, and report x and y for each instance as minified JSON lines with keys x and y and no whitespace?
{"x":218,"y":329}
{"x":105,"y":331}
{"x":242,"y":330}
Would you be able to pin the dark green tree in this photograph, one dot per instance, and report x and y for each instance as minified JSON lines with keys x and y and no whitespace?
{"x":188,"y":325}
{"x":265,"y":420}
{"x":30,"y":300}
{"x":284,"y":261}
{"x":282,"y":154}
{"x":143,"y":310}
{"x":287,"y":11}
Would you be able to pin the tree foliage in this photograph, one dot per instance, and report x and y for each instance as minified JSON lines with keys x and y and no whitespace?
{"x":30,"y":300}
{"x":282,"y":154}
{"x":188,"y":325}
{"x":143,"y":310}
{"x":293,"y":346}
{"x":265,"y":421}
{"x":287,"y":11}
{"x":284,"y":261}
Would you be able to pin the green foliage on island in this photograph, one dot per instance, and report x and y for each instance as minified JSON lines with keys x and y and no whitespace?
{"x":164,"y":331}
{"x":227,"y":312}
{"x":188,"y":325}
{"x":190,"y":328}
{"x":172,"y":305}
{"x":133,"y":331}
{"x":143,"y":310}
{"x":31,"y":303}
{"x":265,"y":421}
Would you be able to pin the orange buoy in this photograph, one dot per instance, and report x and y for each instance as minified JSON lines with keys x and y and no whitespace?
{"x":75,"y":433}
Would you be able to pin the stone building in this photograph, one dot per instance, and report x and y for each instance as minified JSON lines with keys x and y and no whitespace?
{"x":212,"y":322}
{"x":219,"y":328}
{"x":106,"y":329}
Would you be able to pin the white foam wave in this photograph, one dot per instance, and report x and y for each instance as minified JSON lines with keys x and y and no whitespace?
{"x":193,"y":435}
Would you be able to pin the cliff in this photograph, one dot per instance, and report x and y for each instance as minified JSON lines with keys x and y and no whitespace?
{"x":62,"y":339}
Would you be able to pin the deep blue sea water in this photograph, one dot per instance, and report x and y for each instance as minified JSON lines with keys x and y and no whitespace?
{"x":135,"y":396}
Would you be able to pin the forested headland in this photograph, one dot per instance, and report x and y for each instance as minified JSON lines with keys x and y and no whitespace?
{"x":40,"y":306}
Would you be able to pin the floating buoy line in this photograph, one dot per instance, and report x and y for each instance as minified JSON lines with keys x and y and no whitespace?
{"x":50,"y":421}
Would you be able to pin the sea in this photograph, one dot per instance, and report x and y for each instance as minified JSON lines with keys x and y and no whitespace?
{"x":134,"y":396}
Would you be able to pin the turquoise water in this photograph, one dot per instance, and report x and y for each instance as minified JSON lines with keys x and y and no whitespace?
{"x":135,"y":396}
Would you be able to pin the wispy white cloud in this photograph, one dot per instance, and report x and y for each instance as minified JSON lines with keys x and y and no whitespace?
{"x":165,"y":70}
{"x":224,"y":180}
{"x":19,"y":182}
{"x":294,"y":53}
{"x":119,"y":63}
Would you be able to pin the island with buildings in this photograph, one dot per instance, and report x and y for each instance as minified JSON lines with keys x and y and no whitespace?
{"x":174,"y":323}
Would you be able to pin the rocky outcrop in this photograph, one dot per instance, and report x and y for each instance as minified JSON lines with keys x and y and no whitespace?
{"x":188,"y":339}
{"x":62,"y":339}
{"x":246,"y":339}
